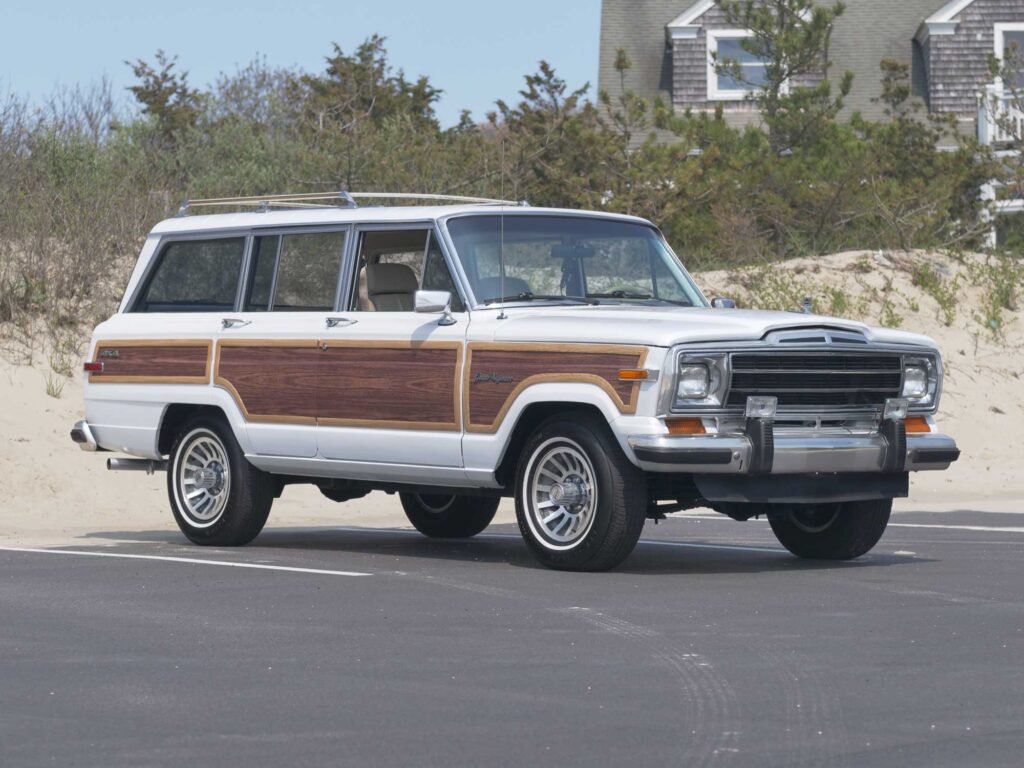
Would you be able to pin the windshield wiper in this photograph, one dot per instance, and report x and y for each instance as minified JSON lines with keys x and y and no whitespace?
{"x":531,"y":296}
{"x":639,"y":297}
{"x":620,"y":294}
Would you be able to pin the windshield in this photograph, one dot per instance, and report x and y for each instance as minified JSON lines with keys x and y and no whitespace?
{"x":569,"y":259}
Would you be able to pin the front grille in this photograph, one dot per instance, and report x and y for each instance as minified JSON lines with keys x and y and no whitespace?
{"x":811,"y":380}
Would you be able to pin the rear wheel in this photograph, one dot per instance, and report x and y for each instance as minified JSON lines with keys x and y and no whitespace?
{"x":838,"y":531}
{"x":580,"y":503}
{"x":447,"y":516}
{"x":218,"y":498}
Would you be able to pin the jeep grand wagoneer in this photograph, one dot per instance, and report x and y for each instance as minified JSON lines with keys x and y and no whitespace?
{"x":459,"y":353}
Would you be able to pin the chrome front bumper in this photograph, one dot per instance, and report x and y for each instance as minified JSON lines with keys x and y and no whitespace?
{"x":793,"y":453}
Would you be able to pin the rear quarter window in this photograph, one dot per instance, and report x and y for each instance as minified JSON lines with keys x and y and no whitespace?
{"x":194,"y":276}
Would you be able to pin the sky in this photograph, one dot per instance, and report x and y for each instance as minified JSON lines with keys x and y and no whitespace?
{"x":476,"y":52}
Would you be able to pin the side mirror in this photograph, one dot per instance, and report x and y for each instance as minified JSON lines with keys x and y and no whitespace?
{"x":720,"y":303}
{"x":434,"y":303}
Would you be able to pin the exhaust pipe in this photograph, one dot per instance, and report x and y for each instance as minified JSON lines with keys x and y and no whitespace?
{"x":137,"y":465}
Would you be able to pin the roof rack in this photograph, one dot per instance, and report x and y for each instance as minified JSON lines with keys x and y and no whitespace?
{"x":330,"y":200}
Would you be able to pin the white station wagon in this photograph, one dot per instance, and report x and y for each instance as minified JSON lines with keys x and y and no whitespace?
{"x":459,"y":353}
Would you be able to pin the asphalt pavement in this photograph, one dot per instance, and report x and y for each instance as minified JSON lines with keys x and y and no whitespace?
{"x":710,"y":646}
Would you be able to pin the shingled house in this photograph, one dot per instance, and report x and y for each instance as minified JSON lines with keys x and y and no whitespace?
{"x":671,"y":44}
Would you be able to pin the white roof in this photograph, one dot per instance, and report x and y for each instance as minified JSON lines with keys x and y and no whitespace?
{"x":367,"y":215}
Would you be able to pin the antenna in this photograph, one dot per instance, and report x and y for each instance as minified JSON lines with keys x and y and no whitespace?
{"x":501,"y":242}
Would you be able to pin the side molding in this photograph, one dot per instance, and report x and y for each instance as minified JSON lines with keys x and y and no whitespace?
{"x":152,"y":361}
{"x":496,"y":374}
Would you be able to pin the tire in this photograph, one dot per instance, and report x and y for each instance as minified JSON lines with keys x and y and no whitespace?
{"x":840,"y":531}
{"x":235,"y":506}
{"x":447,"y":516}
{"x":582,"y":458}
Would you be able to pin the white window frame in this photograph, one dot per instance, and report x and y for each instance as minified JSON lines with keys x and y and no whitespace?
{"x":714,"y":92}
{"x":999,"y":43}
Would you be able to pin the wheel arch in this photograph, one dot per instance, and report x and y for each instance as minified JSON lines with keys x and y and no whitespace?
{"x":529,"y":419}
{"x":176,"y":415}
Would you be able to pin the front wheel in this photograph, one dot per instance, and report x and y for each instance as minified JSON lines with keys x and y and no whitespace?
{"x":217,"y":496}
{"x":446,"y":516}
{"x":580,"y":503}
{"x":838,"y":531}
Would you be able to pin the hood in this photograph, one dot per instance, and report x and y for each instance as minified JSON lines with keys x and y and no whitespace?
{"x":668,"y":326}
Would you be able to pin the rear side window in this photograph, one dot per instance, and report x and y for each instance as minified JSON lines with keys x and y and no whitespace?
{"x":295,"y":273}
{"x":194,"y":276}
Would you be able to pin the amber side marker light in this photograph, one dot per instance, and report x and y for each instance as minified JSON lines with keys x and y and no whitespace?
{"x":916,"y":425}
{"x":633,"y":374}
{"x":685,"y":426}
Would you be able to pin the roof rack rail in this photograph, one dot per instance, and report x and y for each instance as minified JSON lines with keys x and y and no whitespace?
{"x":331,"y":200}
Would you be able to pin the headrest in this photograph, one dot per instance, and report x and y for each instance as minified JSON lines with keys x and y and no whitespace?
{"x":390,"y":278}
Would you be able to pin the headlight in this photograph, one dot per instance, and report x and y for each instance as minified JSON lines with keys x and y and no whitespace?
{"x":693,"y":382}
{"x":915,"y":382}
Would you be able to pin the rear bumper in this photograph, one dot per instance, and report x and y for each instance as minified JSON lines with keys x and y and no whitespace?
{"x":82,"y":435}
{"x":792,"y":454}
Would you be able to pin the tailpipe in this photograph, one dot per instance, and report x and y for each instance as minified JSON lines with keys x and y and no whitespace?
{"x":137,"y":465}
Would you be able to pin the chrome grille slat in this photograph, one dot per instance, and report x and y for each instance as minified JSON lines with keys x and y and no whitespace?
{"x":805,"y":379}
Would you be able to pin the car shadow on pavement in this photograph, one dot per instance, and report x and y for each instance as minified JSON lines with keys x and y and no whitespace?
{"x":651,"y":556}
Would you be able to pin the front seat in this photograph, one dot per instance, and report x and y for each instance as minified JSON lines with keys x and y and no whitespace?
{"x":391,"y":287}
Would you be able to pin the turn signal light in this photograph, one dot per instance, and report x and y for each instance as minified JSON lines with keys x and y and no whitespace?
{"x":916,"y":425}
{"x":633,"y":374}
{"x":90,"y":367}
{"x":685,"y":426}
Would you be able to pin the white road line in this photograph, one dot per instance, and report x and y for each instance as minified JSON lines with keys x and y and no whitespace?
{"x":995,"y":529}
{"x":189,"y":560}
{"x":514,"y":536}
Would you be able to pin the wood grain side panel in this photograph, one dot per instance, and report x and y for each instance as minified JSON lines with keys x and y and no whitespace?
{"x":397,"y":386}
{"x":497,"y":374}
{"x":171,"y":361}
{"x":271,"y":381}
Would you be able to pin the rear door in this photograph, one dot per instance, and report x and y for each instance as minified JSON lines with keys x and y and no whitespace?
{"x":390,"y":378}
{"x":268,"y":353}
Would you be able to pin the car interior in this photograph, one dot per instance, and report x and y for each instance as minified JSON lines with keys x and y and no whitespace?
{"x":390,"y":267}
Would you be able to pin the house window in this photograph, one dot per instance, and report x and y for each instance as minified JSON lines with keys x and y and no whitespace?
{"x":727,"y":46}
{"x":1009,"y":43}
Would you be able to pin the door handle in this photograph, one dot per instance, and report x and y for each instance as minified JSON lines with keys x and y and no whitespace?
{"x":340,"y":322}
{"x":234,"y":322}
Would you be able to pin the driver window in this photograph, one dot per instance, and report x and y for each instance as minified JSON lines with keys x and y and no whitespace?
{"x":393,"y":265}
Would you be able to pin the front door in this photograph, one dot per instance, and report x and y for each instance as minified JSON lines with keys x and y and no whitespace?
{"x":389,"y":379}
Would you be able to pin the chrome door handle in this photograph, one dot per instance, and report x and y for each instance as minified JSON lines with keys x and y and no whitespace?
{"x":234,"y":322}
{"x":340,"y":322}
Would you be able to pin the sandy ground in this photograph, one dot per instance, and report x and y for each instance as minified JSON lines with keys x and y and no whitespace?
{"x":54,"y":493}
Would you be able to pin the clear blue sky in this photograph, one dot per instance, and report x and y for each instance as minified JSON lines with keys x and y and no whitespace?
{"x":475,"y":51}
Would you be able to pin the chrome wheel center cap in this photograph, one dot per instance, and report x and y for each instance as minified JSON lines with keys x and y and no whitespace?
{"x":570,"y":492}
{"x":209,"y":478}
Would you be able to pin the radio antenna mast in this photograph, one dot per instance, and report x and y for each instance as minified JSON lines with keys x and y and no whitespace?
{"x":501,"y":242}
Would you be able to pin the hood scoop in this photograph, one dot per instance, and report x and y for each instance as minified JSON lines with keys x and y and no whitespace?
{"x":822,"y":335}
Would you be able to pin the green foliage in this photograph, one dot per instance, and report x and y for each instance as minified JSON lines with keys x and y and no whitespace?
{"x":945,"y":292}
{"x":792,"y":38}
{"x":165,"y":95}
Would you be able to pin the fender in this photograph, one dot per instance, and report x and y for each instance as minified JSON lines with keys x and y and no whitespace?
{"x":483,"y":452}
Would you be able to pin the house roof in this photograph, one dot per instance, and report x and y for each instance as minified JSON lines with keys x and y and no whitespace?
{"x":943,"y":21}
{"x":682,"y":26}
